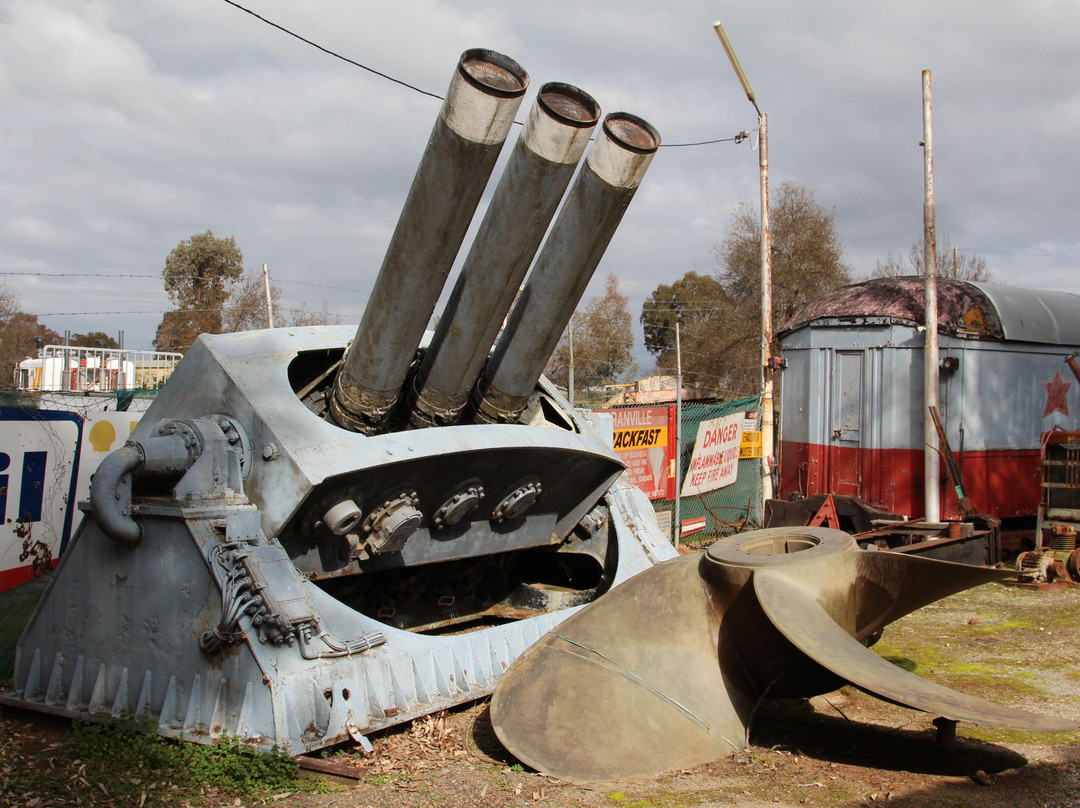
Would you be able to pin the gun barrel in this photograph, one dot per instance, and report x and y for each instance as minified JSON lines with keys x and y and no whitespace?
{"x":540,"y":168}
{"x":475,"y":118}
{"x":593,"y":209}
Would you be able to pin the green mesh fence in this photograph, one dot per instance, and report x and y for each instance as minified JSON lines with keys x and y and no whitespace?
{"x":734,"y":507}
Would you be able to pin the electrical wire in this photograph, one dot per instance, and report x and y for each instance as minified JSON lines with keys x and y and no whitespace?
{"x":158,"y":278}
{"x":335,"y":54}
{"x":739,"y":138}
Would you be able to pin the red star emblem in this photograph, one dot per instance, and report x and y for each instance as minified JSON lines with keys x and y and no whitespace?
{"x":1055,"y":395}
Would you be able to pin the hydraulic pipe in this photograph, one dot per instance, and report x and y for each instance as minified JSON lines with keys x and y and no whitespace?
{"x":593,"y":209}
{"x":541,"y":166}
{"x":169,"y":453}
{"x":475,"y":119}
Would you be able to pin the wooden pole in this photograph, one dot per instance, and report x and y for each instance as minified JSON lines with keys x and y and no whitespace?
{"x":269,"y":304}
{"x":931,"y":463}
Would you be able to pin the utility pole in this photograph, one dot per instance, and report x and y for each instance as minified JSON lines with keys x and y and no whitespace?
{"x":767,"y":417}
{"x":676,"y":529}
{"x":931,"y":468}
{"x":269,"y":304}
{"x":570,"y":370}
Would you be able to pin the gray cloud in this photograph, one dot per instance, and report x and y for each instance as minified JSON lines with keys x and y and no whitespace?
{"x":130,"y":126}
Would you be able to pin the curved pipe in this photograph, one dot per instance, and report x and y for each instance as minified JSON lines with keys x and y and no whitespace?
{"x":110,"y":494}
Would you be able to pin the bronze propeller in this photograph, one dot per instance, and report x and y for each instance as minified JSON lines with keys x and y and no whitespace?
{"x":665,"y":670}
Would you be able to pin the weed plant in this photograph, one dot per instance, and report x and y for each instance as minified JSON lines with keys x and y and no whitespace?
{"x":128,"y":765}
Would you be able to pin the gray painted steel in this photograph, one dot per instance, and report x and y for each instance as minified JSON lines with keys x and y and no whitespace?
{"x":118,"y":630}
{"x":996,"y":395}
{"x":460,"y":155}
{"x":258,"y":562}
{"x":592,"y":211}
{"x":525,"y":200}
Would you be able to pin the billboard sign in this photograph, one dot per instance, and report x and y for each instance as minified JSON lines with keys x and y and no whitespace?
{"x":643,"y":438}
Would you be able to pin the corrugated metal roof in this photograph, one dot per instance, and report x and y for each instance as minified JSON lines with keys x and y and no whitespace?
{"x":1028,"y":315}
{"x":985,"y":310}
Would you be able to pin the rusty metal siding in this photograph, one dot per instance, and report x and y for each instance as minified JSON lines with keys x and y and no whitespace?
{"x":965,"y":309}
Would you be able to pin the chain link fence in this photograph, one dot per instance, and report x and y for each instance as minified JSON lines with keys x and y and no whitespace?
{"x":734,"y":507}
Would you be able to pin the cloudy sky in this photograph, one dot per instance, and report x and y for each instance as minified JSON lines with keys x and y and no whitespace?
{"x":128,"y":126}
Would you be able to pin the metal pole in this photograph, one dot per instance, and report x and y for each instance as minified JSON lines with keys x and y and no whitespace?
{"x":931,"y":468}
{"x":676,"y":529}
{"x":766,"y":317}
{"x":570,"y":370}
{"x":269,"y":304}
{"x":767,"y":419}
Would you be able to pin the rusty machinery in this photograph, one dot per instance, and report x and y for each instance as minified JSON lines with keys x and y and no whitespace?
{"x":1055,"y":558}
{"x":314,"y":533}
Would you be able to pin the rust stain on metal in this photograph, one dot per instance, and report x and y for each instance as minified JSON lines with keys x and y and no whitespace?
{"x":962,"y":307}
{"x":630,"y":133}
{"x":492,"y":75}
{"x":38,"y":553}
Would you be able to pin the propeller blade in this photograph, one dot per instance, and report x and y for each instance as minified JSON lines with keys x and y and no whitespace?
{"x":630,"y":685}
{"x":788,"y":599}
{"x":891,"y":585}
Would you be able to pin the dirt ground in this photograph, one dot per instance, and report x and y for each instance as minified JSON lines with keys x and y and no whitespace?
{"x":1010,"y":645}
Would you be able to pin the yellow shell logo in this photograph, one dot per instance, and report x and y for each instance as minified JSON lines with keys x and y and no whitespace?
{"x":102,"y":436}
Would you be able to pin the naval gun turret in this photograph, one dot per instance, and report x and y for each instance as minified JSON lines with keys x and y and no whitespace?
{"x":315,"y":533}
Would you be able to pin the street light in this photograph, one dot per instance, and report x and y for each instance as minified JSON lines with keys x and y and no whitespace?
{"x":730,"y":51}
{"x":766,"y":271}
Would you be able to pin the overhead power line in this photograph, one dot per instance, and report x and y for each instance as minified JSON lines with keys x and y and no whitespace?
{"x":158,"y":278}
{"x":335,"y":54}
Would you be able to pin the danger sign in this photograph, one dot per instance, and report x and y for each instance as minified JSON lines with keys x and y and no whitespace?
{"x":715,"y":461}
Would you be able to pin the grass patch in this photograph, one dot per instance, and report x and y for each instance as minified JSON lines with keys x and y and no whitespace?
{"x":1005,"y":645}
{"x":122,"y":765}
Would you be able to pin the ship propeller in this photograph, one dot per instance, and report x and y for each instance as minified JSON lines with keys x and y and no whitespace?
{"x":666,"y":670}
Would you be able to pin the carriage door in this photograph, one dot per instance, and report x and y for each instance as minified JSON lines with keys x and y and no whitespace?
{"x":846,"y":422}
